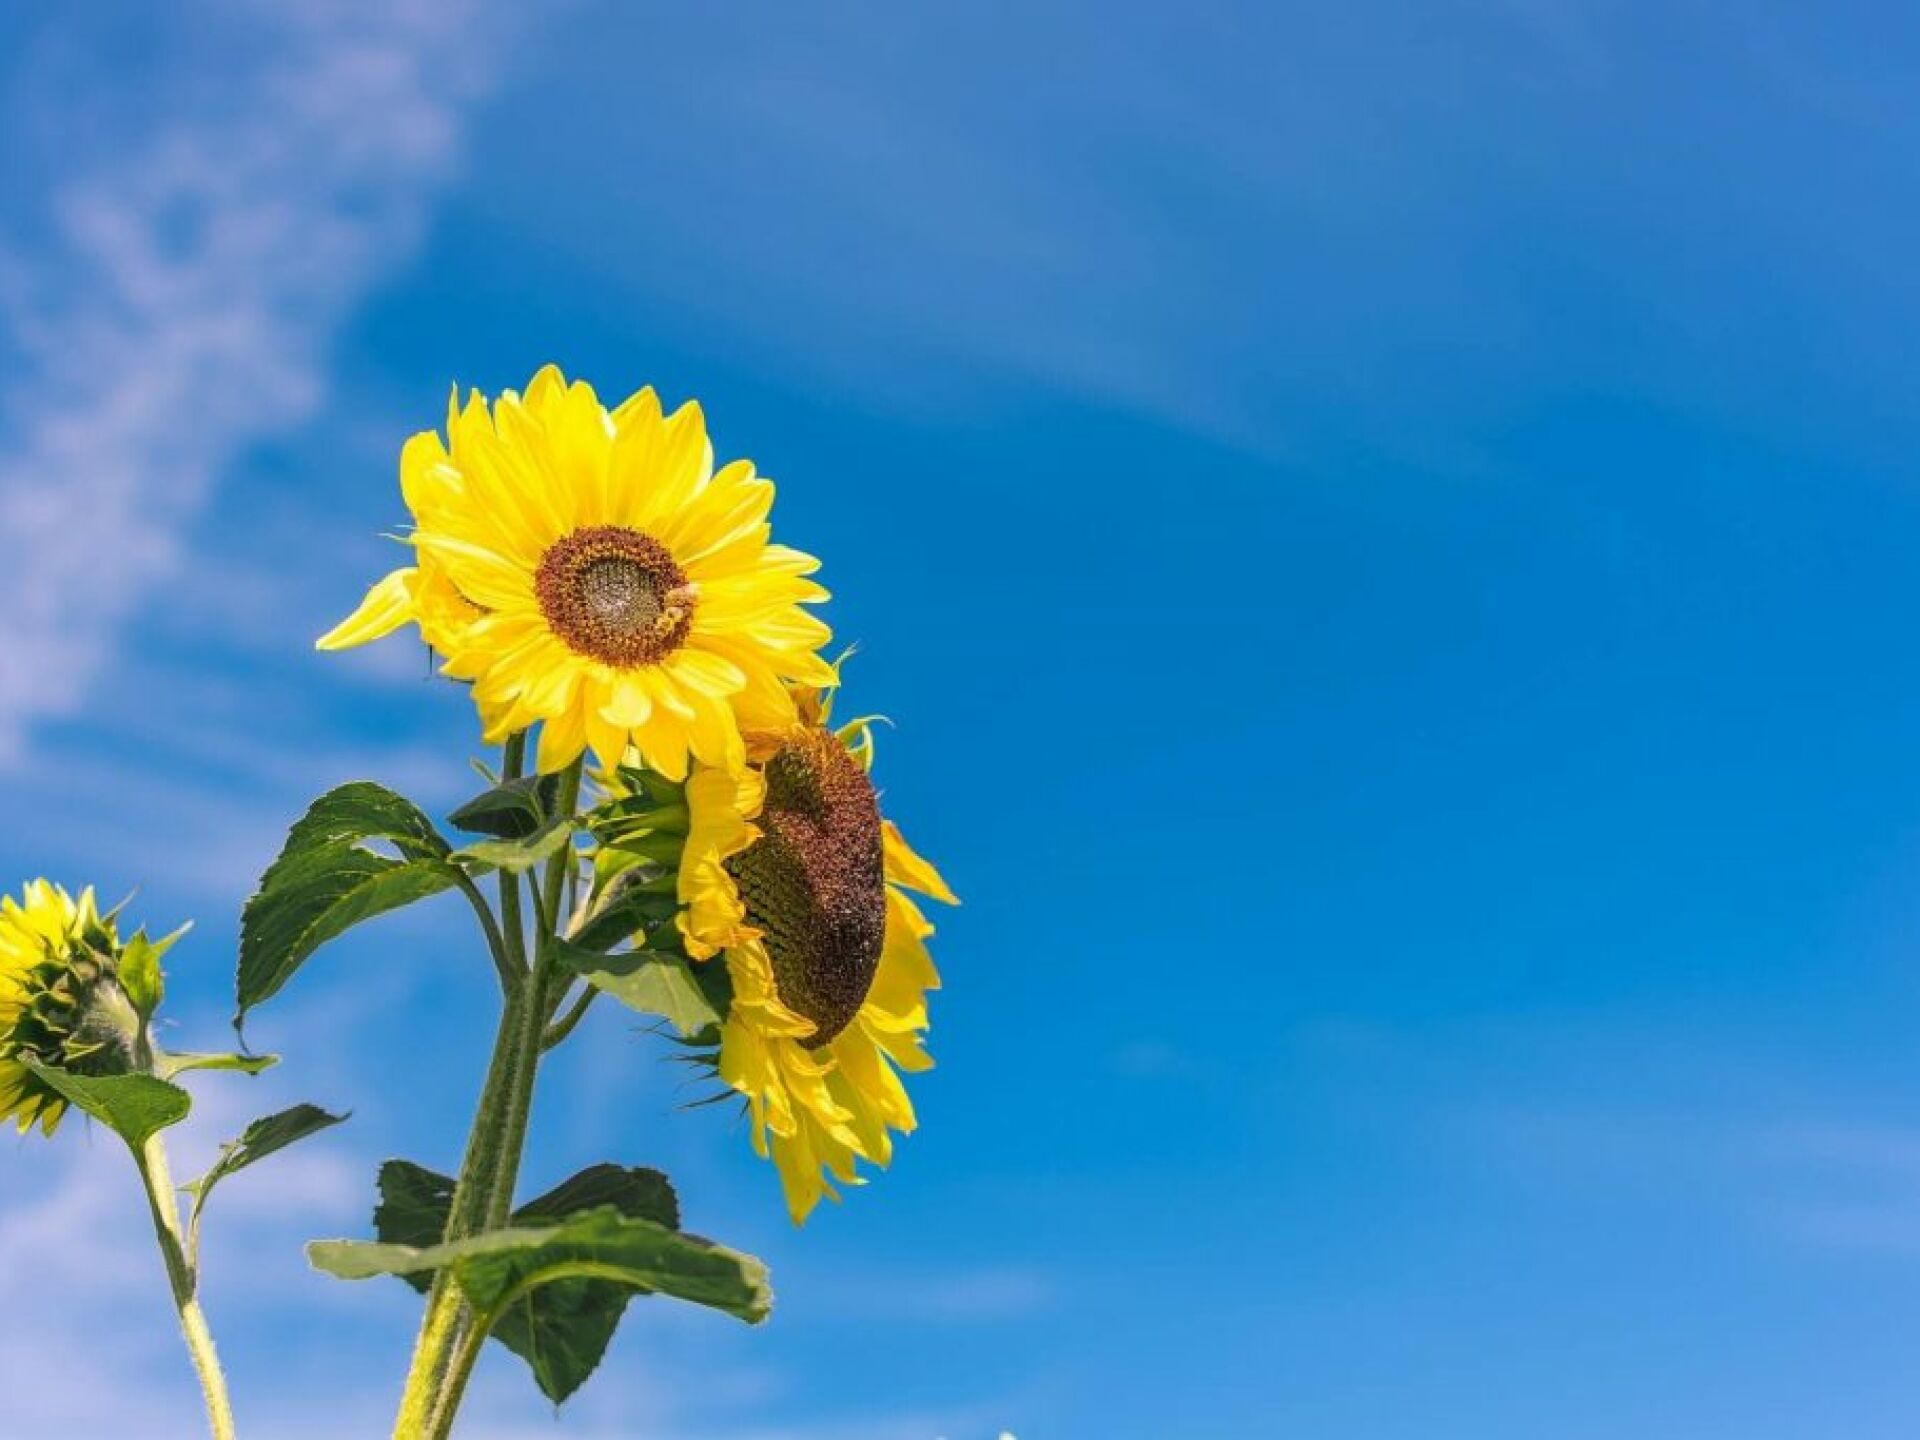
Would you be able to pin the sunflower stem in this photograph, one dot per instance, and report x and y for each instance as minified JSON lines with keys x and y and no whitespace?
{"x":447,"y":1315}
{"x":183,"y":1281}
{"x":446,"y":1307}
{"x":566,"y":1024}
{"x":545,"y":989}
{"x":451,"y":1336}
{"x":509,"y":969}
{"x":513,"y":760}
{"x":466,"y":1348}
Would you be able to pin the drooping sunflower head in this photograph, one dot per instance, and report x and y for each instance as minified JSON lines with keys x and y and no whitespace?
{"x":62,"y":1002}
{"x":805,"y":895}
{"x":591,"y":572}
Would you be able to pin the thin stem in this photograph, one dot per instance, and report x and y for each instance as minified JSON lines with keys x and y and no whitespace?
{"x":184,"y":1283}
{"x":510,"y":970}
{"x":543,"y":921}
{"x":513,"y":761}
{"x":566,"y":1024}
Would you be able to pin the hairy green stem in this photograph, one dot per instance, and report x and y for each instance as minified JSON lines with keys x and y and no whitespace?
{"x":451,"y":1336}
{"x":512,"y":762}
{"x":566,"y":1024}
{"x":445,"y":1305}
{"x":446,"y":1310}
{"x":504,"y":962}
{"x":548,"y":985}
{"x":183,"y":1281}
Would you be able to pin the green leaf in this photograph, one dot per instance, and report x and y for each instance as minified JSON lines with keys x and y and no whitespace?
{"x":495,"y":1269}
{"x":519,"y":855}
{"x":631,"y":901}
{"x":260,"y":1139}
{"x":134,"y":1107}
{"x":362,"y":810}
{"x":560,"y":1329}
{"x":657,"y":982}
{"x":414,"y":1205}
{"x":511,"y":811}
{"x":171,"y":1063}
{"x":326,"y":881}
{"x":635,"y":1191}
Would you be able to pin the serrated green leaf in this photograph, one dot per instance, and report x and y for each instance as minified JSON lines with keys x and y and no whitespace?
{"x":172,"y":1063}
{"x":656,"y":982}
{"x":634,"y":1190}
{"x":561,"y":1329}
{"x":325,"y":881}
{"x":414,"y":1205}
{"x":496,"y":1268}
{"x":511,"y":811}
{"x":522,"y":854}
{"x":134,"y":1107}
{"x":262,"y":1138}
{"x":362,"y":810}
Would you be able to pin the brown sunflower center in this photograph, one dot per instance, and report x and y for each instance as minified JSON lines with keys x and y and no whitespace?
{"x":615,"y":595}
{"x":815,"y":884}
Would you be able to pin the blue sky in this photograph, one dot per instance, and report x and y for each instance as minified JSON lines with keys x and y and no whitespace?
{"x":1386,"y":531}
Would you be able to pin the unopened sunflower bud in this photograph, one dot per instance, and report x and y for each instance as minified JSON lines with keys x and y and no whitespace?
{"x":62,"y":1000}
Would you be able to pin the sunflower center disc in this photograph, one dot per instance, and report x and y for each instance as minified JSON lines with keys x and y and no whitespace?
{"x":615,"y":595}
{"x":618,"y":594}
{"x":815,"y":882}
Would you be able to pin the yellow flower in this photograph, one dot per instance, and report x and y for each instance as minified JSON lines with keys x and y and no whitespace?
{"x":591,"y":572}
{"x":60,"y":1002}
{"x":802,"y":885}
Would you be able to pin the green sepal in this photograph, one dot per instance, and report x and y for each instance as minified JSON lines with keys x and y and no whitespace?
{"x":656,"y":982}
{"x":511,"y":811}
{"x":561,"y":1330}
{"x":138,"y":964}
{"x":169,"y":1063}
{"x":135,"y":1107}
{"x":262,"y":1138}
{"x":651,"y":805}
{"x":630,"y":902}
{"x":518,"y":855}
{"x":326,"y":881}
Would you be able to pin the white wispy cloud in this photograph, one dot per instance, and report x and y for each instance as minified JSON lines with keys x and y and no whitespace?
{"x":78,"y":1257}
{"x":178,"y":299}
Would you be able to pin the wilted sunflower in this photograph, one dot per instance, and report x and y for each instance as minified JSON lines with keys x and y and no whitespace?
{"x":592,"y":572}
{"x":60,"y":999}
{"x":792,"y":873}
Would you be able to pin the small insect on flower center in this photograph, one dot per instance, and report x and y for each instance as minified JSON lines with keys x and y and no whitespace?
{"x":615,"y":595}
{"x":815,"y":882}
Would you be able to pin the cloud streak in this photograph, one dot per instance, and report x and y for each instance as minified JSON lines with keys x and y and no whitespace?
{"x":181,"y":303}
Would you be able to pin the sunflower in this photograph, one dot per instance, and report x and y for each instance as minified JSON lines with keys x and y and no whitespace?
{"x":60,"y":998}
{"x":797,"y":879}
{"x":591,"y":572}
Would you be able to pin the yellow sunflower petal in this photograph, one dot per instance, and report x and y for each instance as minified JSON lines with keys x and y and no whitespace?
{"x":592,"y":572}
{"x":905,"y":867}
{"x":388,"y":606}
